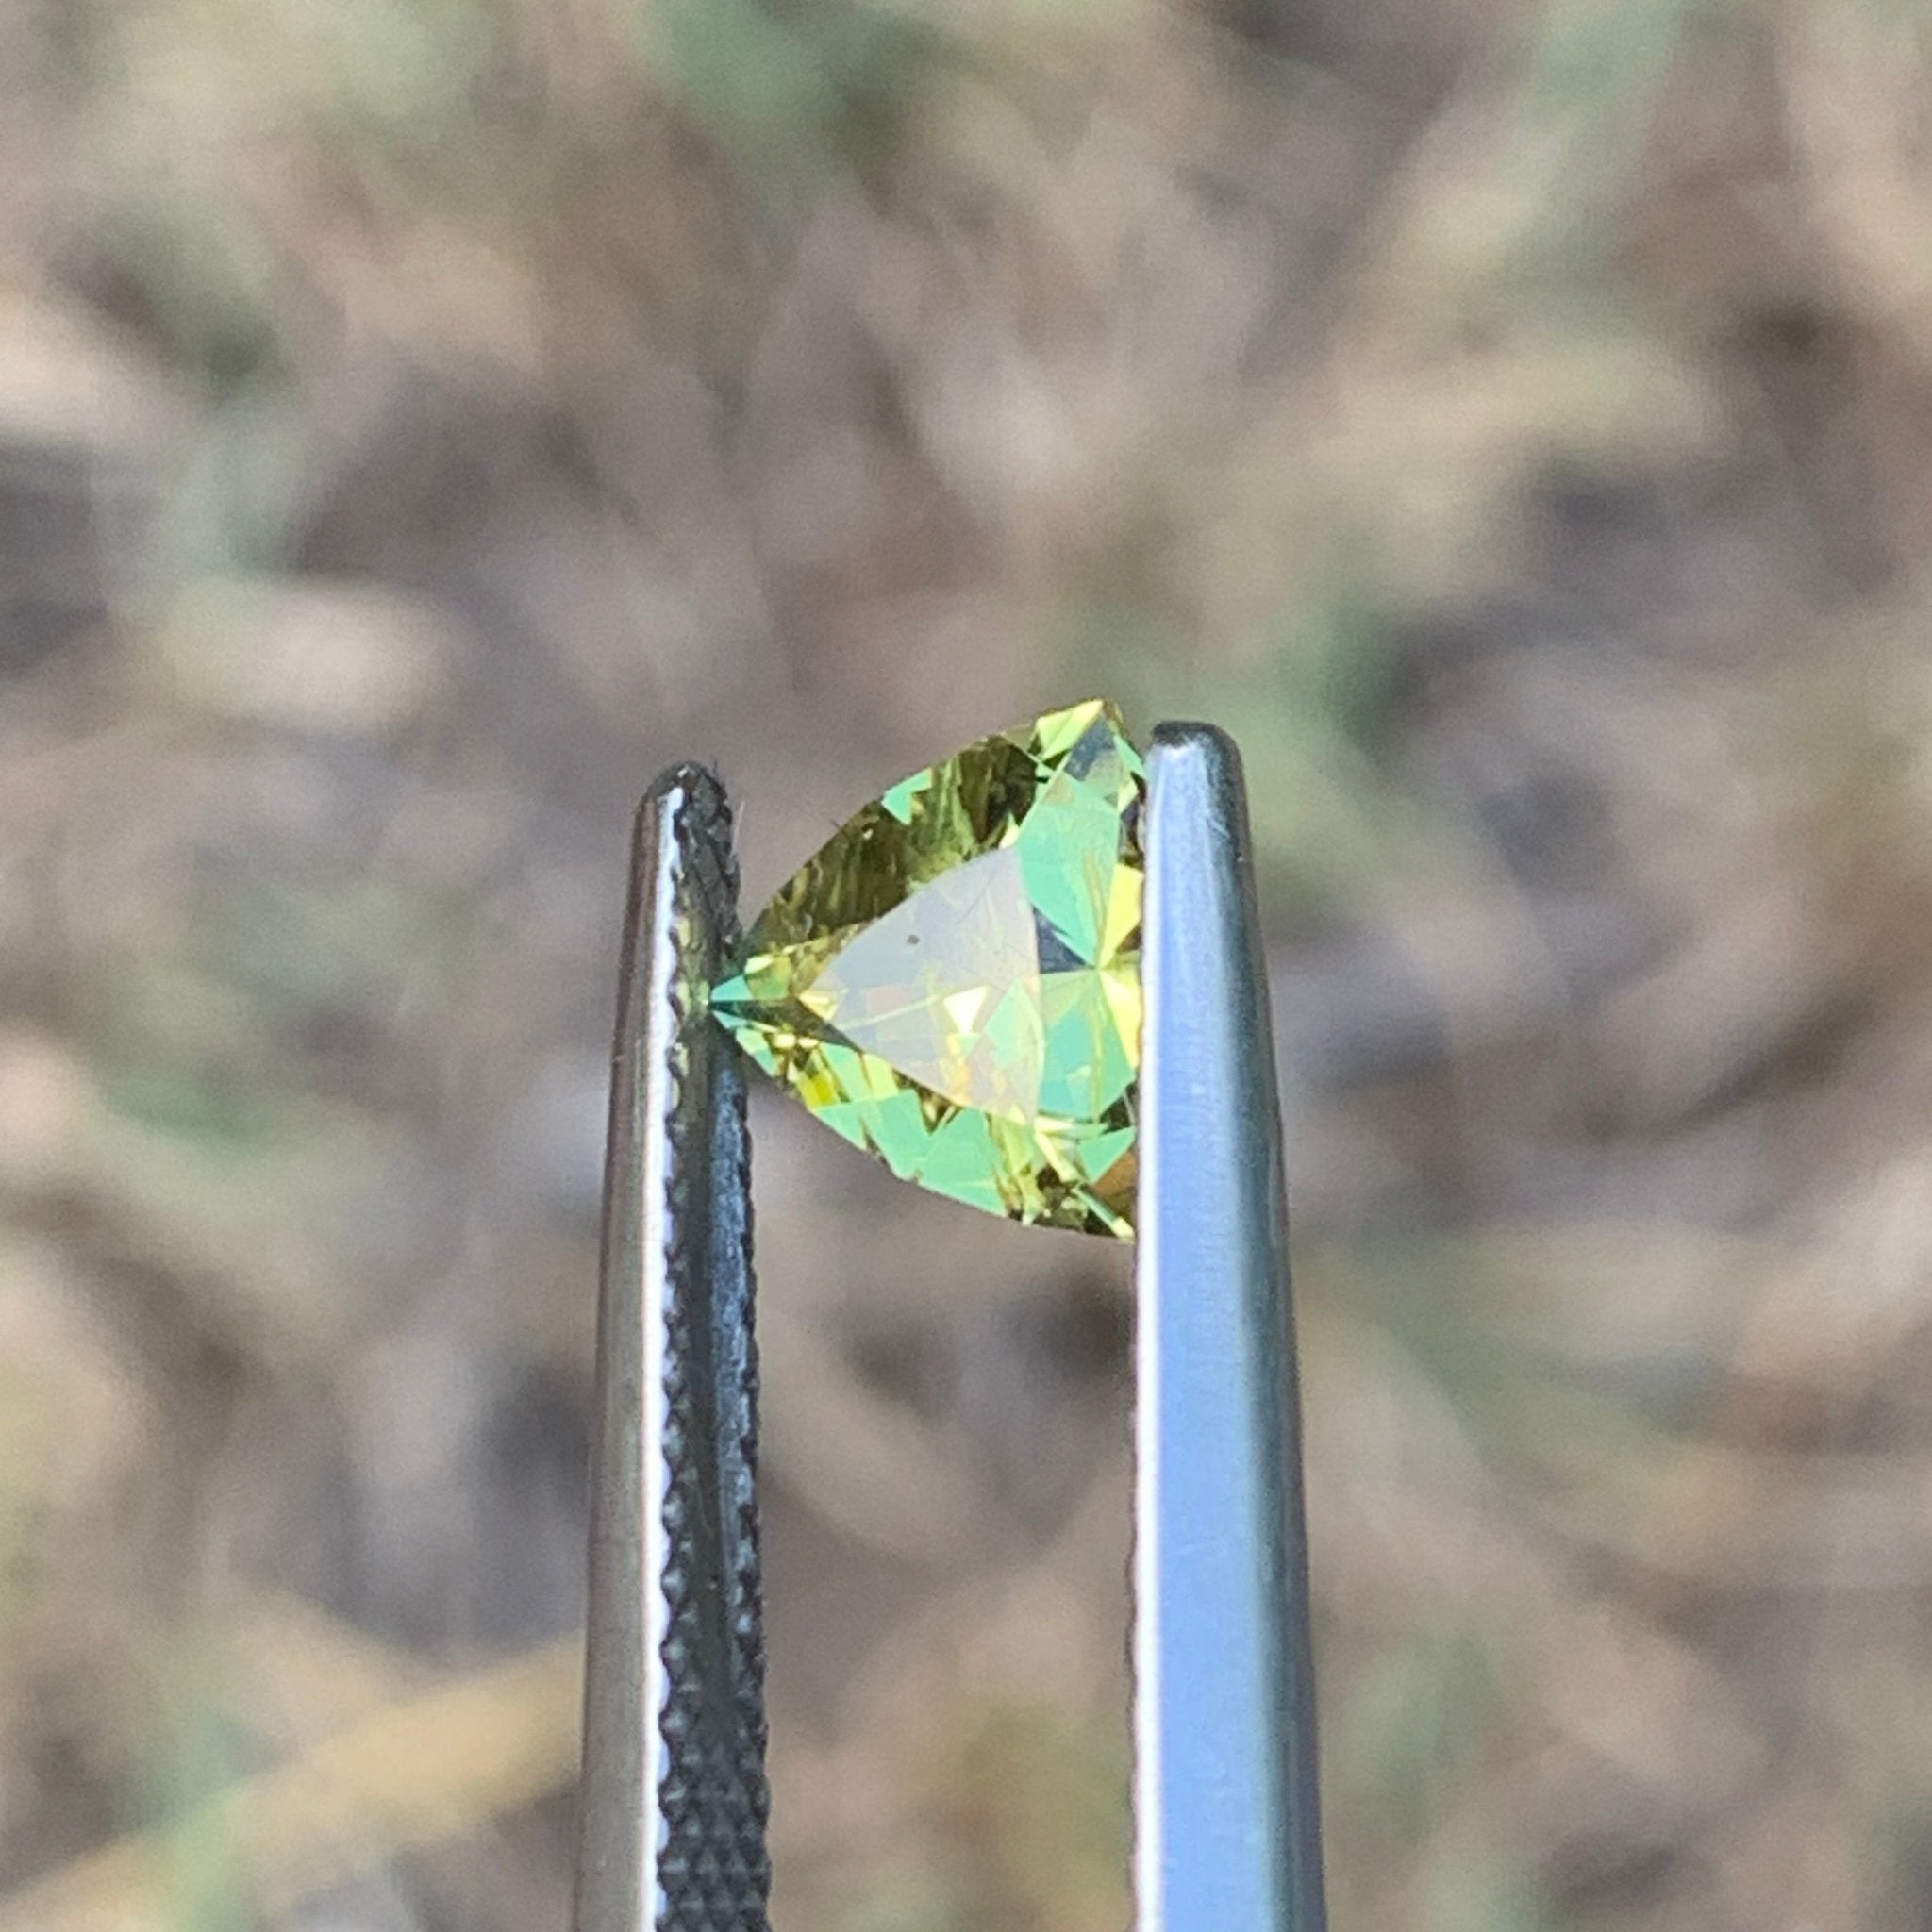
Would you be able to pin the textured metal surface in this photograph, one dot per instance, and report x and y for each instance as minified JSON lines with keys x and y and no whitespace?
{"x":1227,"y":1818}
{"x":672,"y":1803}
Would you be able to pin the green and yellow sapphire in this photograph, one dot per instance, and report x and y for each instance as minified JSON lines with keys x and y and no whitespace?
{"x":953,"y":981}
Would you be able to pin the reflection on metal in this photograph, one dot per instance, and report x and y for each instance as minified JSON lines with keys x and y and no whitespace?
{"x":673,"y":1802}
{"x":1227,"y":1818}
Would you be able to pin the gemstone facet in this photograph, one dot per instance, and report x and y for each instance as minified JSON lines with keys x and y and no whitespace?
{"x":953,"y":981}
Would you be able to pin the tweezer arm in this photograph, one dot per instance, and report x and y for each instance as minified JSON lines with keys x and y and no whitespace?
{"x":1226,"y":1820}
{"x":672,"y":1806}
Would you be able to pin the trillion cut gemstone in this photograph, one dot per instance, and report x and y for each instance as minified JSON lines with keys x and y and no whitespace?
{"x":954,"y":981}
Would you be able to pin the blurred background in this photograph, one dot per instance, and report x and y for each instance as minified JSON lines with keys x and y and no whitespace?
{"x":421,"y":421}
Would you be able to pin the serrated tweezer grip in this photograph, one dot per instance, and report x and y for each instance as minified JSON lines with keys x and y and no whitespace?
{"x":672,"y":1803}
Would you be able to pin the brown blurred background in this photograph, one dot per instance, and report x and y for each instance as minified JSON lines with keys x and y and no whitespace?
{"x":420,"y":420}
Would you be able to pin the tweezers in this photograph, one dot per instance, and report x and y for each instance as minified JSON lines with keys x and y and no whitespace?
{"x":673,"y":1803}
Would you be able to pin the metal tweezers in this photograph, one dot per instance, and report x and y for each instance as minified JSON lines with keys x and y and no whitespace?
{"x":674,"y":1801}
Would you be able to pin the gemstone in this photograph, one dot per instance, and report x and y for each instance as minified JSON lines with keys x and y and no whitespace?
{"x":953,"y":981}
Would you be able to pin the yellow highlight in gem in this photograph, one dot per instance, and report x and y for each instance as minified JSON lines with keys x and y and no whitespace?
{"x":953,"y":981}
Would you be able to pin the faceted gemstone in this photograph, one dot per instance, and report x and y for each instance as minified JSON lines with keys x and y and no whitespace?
{"x":954,"y":981}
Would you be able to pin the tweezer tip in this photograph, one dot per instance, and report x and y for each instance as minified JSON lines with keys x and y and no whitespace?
{"x":1206,"y":749}
{"x":1184,"y":732}
{"x":685,"y":808}
{"x":686,"y":786}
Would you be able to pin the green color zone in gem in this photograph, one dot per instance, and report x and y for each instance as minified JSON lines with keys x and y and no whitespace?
{"x":953,"y":981}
